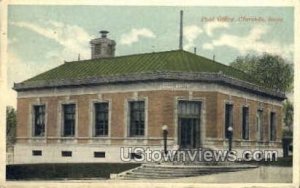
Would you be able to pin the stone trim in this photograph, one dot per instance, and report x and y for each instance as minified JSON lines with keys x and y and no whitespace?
{"x":246,"y":104}
{"x":147,"y":86}
{"x":276,"y":125}
{"x":150,"y":76}
{"x":31,"y":122}
{"x":227,"y":101}
{"x":60,"y":121}
{"x":135,"y":97}
{"x":202,"y":117}
{"x":92,"y":117}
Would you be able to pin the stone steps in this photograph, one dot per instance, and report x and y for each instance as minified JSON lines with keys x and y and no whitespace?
{"x":177,"y":171}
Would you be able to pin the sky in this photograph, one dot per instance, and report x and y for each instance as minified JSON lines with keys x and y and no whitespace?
{"x":43,"y":37}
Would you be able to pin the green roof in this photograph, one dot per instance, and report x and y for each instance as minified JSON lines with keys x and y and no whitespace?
{"x":173,"y":61}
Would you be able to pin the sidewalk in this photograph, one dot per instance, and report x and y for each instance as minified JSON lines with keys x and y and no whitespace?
{"x":263,"y":174}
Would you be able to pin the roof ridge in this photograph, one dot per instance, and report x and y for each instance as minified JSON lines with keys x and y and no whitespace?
{"x":122,"y":56}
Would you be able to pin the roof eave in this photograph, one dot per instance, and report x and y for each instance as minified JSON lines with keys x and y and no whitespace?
{"x":159,"y":75}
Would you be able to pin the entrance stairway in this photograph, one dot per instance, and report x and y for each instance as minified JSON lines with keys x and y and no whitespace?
{"x":168,"y":171}
{"x":181,"y":166}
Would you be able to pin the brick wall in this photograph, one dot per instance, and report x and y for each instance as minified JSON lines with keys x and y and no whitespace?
{"x":160,"y":112}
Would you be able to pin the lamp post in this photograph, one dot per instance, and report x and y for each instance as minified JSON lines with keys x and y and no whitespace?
{"x":165,"y":135}
{"x":230,"y":134}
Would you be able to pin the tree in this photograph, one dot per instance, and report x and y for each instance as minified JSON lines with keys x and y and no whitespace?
{"x":288,"y":110}
{"x":270,"y":70}
{"x":11,"y":123}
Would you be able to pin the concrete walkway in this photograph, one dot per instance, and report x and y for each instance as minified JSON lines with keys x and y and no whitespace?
{"x":263,"y":174}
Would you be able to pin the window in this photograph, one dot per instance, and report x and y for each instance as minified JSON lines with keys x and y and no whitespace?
{"x":259,"y":124}
{"x":245,"y":123}
{"x":36,"y":152}
{"x":135,"y":156}
{"x":66,"y":153}
{"x":39,"y":120}
{"x":99,"y":154}
{"x":137,"y":118}
{"x":69,"y":120}
{"x":228,"y":118}
{"x":101,"y":119}
{"x":273,"y":126}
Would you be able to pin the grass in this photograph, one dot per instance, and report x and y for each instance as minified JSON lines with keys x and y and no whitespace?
{"x":65,"y":171}
{"x":284,"y":162}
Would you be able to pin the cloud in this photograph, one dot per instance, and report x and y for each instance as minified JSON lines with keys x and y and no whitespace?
{"x":190,"y":34}
{"x":210,"y":27}
{"x":134,"y":36}
{"x":18,"y":70}
{"x":72,"y":38}
{"x":208,"y":46}
{"x":252,"y":42}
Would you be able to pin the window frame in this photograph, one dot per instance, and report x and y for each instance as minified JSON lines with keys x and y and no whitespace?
{"x":129,"y":102}
{"x":247,"y":124}
{"x":260,"y":132}
{"x":37,"y":153}
{"x":63,"y":120}
{"x":94,"y":122}
{"x":33,"y":126}
{"x":66,"y":153}
{"x":232,"y":119}
{"x":271,"y":136}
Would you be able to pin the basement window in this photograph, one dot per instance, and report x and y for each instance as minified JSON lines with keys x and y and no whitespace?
{"x":99,"y":154}
{"x":135,"y":156}
{"x":37,"y":152}
{"x":66,"y":153}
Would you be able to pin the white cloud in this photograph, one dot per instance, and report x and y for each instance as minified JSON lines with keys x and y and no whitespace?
{"x":135,"y":34}
{"x":73,"y":38}
{"x":252,"y":43}
{"x":18,"y":70}
{"x":191,"y":33}
{"x":208,"y":46}
{"x":210,"y":27}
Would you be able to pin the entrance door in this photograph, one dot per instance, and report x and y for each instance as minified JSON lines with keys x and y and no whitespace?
{"x":188,"y":132}
{"x":189,"y":124}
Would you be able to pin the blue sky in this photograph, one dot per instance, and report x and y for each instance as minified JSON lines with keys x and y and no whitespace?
{"x":42,"y":37}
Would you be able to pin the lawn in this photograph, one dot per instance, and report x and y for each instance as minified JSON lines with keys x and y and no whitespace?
{"x":283,"y":162}
{"x":65,"y":171}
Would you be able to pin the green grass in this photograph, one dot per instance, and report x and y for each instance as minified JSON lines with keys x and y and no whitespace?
{"x":287,"y":162}
{"x":65,"y":171}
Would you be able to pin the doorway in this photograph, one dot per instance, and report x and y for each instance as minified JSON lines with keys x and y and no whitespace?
{"x":189,"y":113}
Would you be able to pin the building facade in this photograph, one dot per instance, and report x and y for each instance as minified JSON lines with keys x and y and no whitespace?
{"x":86,"y":111}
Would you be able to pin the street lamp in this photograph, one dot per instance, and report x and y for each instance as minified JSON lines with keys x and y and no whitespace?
{"x":230,"y":134}
{"x":165,"y":135}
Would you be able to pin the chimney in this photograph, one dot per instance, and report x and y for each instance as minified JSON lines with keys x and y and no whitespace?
{"x":102,"y":47}
{"x":181,"y":30}
{"x":103,"y":33}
